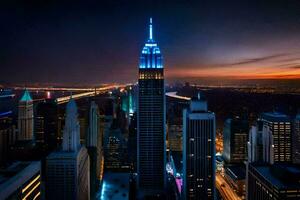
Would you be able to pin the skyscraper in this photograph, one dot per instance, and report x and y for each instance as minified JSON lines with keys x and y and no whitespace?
{"x":46,"y":123}
{"x":25,"y":118}
{"x":7,"y":136}
{"x":94,"y":146}
{"x":277,"y":135}
{"x":255,"y":146}
{"x":235,"y":140}
{"x":296,"y":140}
{"x":199,"y":131}
{"x":67,"y":171}
{"x":151,"y":153}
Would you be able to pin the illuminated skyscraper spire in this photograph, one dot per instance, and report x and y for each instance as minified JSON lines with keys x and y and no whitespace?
{"x":150,"y":29}
{"x":151,"y":146}
{"x":151,"y":56}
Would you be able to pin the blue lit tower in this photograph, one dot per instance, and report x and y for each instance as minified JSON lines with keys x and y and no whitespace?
{"x":151,"y":153}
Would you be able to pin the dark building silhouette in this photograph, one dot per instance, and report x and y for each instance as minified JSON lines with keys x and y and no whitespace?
{"x":199,"y":130}
{"x":46,"y":123}
{"x":235,"y":137}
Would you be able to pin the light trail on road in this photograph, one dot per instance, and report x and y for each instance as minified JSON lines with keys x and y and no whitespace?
{"x":94,"y":92}
{"x":225,"y":190}
{"x":174,"y":95}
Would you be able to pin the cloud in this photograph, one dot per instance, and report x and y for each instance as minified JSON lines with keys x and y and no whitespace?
{"x":256,"y":60}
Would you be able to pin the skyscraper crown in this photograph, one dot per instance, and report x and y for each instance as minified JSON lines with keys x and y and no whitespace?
{"x":151,"y":56}
{"x":26,"y":96}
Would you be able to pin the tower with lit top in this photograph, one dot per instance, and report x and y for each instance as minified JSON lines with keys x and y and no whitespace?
{"x":151,"y":153}
{"x":25,"y":117}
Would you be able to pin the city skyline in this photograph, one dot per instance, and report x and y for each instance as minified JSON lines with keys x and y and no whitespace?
{"x":138,"y":100}
{"x":205,"y":40}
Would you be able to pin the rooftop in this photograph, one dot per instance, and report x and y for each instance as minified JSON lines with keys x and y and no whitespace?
{"x":275,"y":116}
{"x":115,"y":186}
{"x":280,"y":175}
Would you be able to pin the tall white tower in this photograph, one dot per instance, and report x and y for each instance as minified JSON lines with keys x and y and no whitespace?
{"x":92,"y":137}
{"x":25,"y":117}
{"x":67,"y":171}
{"x":71,"y":135}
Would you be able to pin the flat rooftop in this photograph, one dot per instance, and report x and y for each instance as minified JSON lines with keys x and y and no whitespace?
{"x":115,"y":186}
{"x":275,"y":116}
{"x":281,"y":175}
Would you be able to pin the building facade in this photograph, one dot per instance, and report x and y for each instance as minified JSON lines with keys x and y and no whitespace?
{"x":151,"y":153}
{"x":199,"y":131}
{"x":7,"y":136}
{"x":296,"y":140}
{"x":46,"y":123}
{"x":235,"y":140}
{"x":277,"y":132}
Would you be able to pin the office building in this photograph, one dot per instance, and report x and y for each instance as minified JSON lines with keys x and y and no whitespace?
{"x":46,"y":123}
{"x":296,"y":140}
{"x":273,"y":182}
{"x":7,"y":136}
{"x":67,"y":170}
{"x":255,"y":143}
{"x":277,"y":137}
{"x":151,"y":153}
{"x":199,"y":129}
{"x":21,"y":180}
{"x":25,"y":118}
{"x":235,"y":138}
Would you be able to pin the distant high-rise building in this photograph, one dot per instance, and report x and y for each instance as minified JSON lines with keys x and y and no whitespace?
{"x":199,"y":131}
{"x":94,"y":146}
{"x":277,"y":137}
{"x":296,"y":140}
{"x":21,"y":180}
{"x":7,"y":136}
{"x":255,"y":144}
{"x":46,"y":123}
{"x":25,"y":118}
{"x":67,"y":171}
{"x":151,"y":153}
{"x":278,"y":181}
{"x":235,"y":138}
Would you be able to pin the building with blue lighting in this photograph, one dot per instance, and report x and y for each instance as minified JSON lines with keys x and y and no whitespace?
{"x":151,"y":139}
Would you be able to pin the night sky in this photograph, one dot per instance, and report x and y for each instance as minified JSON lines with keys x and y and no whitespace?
{"x":93,"y":42}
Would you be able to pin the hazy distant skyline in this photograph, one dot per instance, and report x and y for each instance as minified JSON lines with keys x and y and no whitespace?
{"x":89,"y":42}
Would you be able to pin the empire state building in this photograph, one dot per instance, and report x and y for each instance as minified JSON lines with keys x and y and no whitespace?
{"x":151,"y":119}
